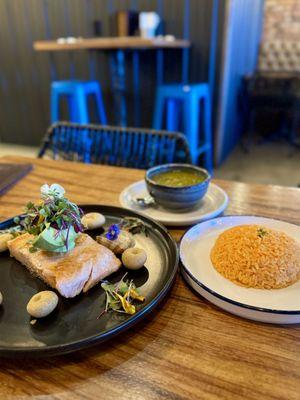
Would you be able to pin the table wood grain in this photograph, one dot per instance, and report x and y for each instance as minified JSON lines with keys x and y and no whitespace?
{"x":188,"y":348}
{"x":111,"y":43}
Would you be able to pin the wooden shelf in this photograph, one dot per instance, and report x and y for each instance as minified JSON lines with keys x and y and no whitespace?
{"x":111,"y":43}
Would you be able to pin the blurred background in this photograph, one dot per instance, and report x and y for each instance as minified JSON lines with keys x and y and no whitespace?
{"x":242,"y":57}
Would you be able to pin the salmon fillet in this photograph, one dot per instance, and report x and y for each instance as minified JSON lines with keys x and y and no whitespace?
{"x":69,"y":273}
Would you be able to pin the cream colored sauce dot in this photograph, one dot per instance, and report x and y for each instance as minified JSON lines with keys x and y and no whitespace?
{"x":134,"y":258}
{"x":93,"y":220}
{"x":42,"y":304}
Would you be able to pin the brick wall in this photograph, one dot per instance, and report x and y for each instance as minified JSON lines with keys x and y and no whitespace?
{"x":282,"y":20}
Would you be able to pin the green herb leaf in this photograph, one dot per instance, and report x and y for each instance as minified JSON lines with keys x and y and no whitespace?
{"x":108,"y":287}
{"x":134,"y":225}
{"x":261,"y":232}
{"x":29,"y":205}
{"x":120,"y":296}
{"x":123,"y":287}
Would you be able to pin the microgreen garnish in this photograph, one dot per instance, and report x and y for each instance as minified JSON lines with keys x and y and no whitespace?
{"x":14,"y":230}
{"x":55,"y":212}
{"x":135,"y":225}
{"x":120,"y":296}
{"x":261,"y":232}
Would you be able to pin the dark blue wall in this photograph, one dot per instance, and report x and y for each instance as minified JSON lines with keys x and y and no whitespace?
{"x":242,"y":35}
{"x":25,"y":75}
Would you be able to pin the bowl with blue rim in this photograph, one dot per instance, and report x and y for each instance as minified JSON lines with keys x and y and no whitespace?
{"x":177,"y":187}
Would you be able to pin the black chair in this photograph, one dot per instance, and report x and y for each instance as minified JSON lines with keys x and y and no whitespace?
{"x":274,"y":88}
{"x":272,"y":93}
{"x":111,"y":145}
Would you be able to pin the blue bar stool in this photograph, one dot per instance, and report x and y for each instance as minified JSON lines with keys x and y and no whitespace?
{"x":77,"y":93}
{"x":181,"y":107}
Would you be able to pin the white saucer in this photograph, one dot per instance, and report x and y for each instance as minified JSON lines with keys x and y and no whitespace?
{"x":277,"y":306}
{"x":213,"y":204}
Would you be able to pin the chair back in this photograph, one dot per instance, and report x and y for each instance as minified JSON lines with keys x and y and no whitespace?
{"x":279,"y":55}
{"x":111,"y":145}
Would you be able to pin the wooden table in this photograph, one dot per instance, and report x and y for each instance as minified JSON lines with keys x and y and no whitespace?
{"x":108,"y":43}
{"x":188,"y":349}
{"x":117,"y":47}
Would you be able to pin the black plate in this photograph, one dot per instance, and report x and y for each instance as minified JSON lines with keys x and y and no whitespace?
{"x":74,"y":324}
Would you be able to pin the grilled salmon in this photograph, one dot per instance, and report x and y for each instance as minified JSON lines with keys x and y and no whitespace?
{"x":69,"y":273}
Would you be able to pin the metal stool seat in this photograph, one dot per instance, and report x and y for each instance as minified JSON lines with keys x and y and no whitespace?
{"x":77,"y":93}
{"x":181,"y":107}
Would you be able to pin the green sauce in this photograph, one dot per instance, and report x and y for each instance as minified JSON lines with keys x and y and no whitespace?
{"x":178,"y":178}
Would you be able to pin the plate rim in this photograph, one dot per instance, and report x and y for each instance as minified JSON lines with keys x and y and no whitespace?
{"x":186,"y":221}
{"x":56,"y":350}
{"x":221,"y":297}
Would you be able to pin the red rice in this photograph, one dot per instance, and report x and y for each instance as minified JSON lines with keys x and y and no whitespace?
{"x":256,"y":256}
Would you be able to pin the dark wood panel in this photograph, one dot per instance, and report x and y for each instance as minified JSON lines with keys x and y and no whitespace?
{"x":9,"y":63}
{"x":27,"y":71}
{"x":25,"y":76}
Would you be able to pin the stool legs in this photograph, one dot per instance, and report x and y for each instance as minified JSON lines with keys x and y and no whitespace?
{"x":199,"y":135}
{"x":191,"y":124}
{"x":118,"y":83}
{"x":72,"y":108}
{"x":83,"y":117}
{"x":100,"y":107}
{"x":158,"y":111}
{"x":208,"y":155}
{"x":172,"y":115}
{"x":77,"y":93}
{"x":54,"y":107}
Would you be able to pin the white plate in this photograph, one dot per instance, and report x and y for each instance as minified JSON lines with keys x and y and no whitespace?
{"x":280,"y":306}
{"x":213,"y":204}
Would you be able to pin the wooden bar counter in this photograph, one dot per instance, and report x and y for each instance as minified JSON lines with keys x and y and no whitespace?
{"x":186,"y":349}
{"x":111,"y":43}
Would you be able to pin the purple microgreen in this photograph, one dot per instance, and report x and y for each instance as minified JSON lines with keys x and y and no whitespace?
{"x":67,"y":238}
